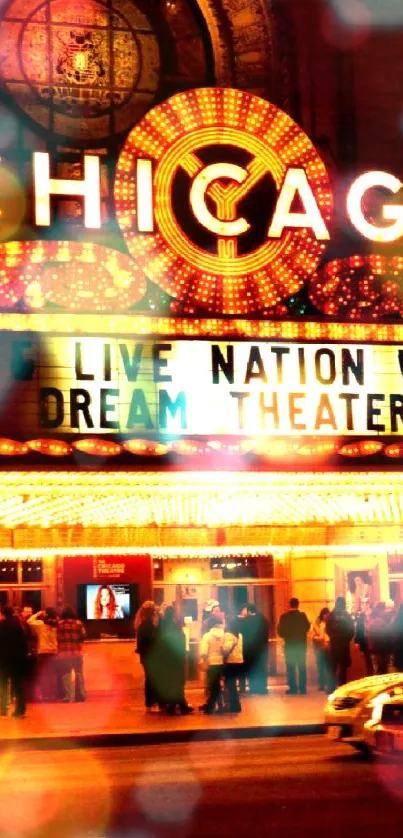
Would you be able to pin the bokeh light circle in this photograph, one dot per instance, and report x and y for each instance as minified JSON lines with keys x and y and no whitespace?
{"x":39,"y":793}
{"x":172,"y":801}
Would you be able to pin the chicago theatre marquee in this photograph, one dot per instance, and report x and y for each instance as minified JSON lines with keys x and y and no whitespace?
{"x":197,"y":397}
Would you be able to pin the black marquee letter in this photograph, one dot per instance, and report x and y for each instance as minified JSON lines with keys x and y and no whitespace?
{"x":107,"y":393}
{"x":80,"y":401}
{"x":226,"y":364}
{"x":45,"y":394}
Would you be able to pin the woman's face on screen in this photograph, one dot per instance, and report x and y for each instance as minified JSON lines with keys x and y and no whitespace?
{"x":105,"y":596}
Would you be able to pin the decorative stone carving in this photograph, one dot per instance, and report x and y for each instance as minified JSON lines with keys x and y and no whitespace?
{"x":242,"y":33}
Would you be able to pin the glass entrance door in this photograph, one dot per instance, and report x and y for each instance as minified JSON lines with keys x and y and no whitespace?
{"x":232,"y":598}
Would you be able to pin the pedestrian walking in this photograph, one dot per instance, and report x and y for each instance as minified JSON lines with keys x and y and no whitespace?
{"x":212,"y":656}
{"x":293,"y":627}
{"x":13,"y":662}
{"x":340,"y":628}
{"x":146,"y":628}
{"x":170,"y":664}
{"x":233,"y":664}
{"x":70,"y":639}
{"x":321,"y":647}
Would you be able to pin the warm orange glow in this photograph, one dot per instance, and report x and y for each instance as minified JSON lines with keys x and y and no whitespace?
{"x":146,"y":448}
{"x":359,"y":287}
{"x":220,"y":225}
{"x":395,"y":450}
{"x":75,"y":275}
{"x":263,"y":448}
{"x":52,"y":447}
{"x":321,"y":448}
{"x":12,"y":448}
{"x":146,"y":326}
{"x":103,"y":499}
{"x":98,"y":447}
{"x":171,"y":135}
{"x":364,"y":448}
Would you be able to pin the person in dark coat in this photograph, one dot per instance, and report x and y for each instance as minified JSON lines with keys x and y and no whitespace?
{"x":293,"y":627}
{"x":170,"y":664}
{"x":254,"y":628}
{"x":397,"y":636}
{"x":380,"y":640}
{"x":13,"y":662}
{"x":340,"y":628}
{"x":146,"y":628}
{"x":361,"y":639}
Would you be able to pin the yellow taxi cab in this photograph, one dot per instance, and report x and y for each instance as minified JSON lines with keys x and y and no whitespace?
{"x":383,"y":733}
{"x":351,"y":706}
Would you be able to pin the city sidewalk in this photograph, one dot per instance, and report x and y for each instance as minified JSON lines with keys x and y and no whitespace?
{"x":113,"y":719}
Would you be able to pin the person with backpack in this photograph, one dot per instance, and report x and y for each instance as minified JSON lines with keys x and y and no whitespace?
{"x":212,"y":655}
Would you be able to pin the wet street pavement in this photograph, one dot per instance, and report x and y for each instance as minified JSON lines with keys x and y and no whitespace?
{"x":303,"y":786}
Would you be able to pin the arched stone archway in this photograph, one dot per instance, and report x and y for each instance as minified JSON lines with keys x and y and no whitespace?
{"x":243,"y":35}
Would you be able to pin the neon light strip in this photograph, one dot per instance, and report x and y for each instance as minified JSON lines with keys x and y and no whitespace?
{"x":282,"y":449}
{"x":136,"y":325}
{"x":269,"y":480}
{"x":199,"y":553}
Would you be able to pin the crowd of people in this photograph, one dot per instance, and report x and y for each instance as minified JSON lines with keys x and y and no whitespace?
{"x":39,"y":653}
{"x":233,"y":652}
{"x":376,"y":633}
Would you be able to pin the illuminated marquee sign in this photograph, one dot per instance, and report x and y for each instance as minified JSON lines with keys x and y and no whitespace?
{"x":139,"y":386}
{"x":222,"y":201}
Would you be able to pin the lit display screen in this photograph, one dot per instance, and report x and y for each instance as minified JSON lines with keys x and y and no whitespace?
{"x":126,"y":385}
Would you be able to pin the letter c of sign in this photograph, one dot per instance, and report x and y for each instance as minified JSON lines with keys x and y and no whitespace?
{"x":224,"y":202}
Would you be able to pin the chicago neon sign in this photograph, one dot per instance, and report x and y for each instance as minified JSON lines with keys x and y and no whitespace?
{"x":183,"y":180}
{"x":295,"y":186}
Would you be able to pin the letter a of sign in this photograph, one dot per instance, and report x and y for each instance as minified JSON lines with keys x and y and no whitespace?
{"x":296,"y":184}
